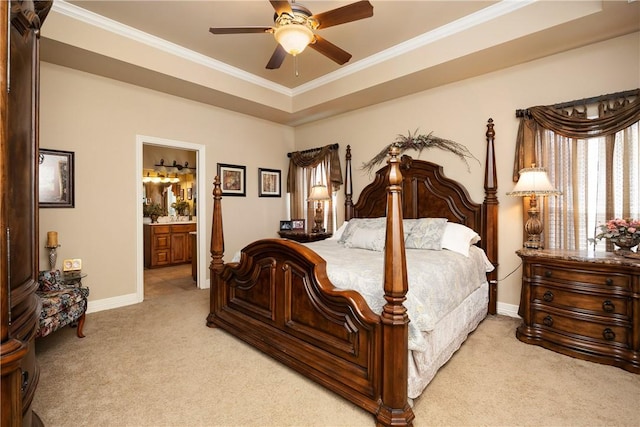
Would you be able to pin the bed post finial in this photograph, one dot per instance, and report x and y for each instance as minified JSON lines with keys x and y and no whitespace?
{"x":216,"y":295}
{"x":490,"y":208}
{"x":395,"y":409}
{"x":348,"y":187}
{"x":217,"y":236}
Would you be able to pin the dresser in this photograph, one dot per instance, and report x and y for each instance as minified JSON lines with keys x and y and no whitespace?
{"x":582,"y":304}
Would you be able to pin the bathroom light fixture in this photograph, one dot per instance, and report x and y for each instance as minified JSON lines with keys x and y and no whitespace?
{"x":174,"y":167}
{"x":158,"y":178}
{"x":533,"y":182}
{"x":319,"y":193}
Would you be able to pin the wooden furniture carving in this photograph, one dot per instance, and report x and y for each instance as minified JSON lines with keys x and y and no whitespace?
{"x":582,"y":304}
{"x":278,"y":297}
{"x":19,"y":309}
{"x":167,"y":244}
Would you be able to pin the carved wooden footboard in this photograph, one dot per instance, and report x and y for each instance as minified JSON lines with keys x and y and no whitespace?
{"x":279,"y":299}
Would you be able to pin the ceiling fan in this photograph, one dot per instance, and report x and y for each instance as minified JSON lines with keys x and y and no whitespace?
{"x":295,"y":25}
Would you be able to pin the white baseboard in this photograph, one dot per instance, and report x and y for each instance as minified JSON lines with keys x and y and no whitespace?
{"x":109,"y":303}
{"x":508,"y":309}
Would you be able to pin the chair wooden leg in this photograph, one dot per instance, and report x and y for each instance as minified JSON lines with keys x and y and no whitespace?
{"x":80,"y":325}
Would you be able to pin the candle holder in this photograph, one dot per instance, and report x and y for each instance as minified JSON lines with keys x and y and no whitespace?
{"x":53,"y":256}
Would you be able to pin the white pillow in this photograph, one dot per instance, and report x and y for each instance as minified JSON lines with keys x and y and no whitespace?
{"x":371,"y":239}
{"x":425,"y":233}
{"x":458,"y":238}
{"x":338,"y":233}
{"x":370,"y":224}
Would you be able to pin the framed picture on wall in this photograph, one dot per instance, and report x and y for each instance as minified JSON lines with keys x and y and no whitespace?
{"x":233,"y":179}
{"x":55,"y":179}
{"x":189,"y":193}
{"x":269,"y":183}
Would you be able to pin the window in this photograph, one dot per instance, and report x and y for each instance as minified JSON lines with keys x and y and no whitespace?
{"x":593,"y":159}
{"x":599,"y":179}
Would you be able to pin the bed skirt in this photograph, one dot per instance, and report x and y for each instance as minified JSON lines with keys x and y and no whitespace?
{"x":447,"y":337}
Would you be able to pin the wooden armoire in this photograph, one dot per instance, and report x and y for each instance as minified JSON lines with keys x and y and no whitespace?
{"x":19,"y":257}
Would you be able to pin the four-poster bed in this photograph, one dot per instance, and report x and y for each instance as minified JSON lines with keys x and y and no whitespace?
{"x":279,"y":297}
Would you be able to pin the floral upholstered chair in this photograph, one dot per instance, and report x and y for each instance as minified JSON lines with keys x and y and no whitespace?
{"x":62,"y":304}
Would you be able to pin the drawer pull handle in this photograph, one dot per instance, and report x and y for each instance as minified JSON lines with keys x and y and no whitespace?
{"x":608,"y":334}
{"x":548,"y":296}
{"x":548,"y":321}
{"x":547,"y":273}
{"x":608,"y":306}
{"x":609,"y":281}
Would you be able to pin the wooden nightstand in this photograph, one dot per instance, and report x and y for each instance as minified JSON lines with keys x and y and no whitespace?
{"x":582,"y":304}
{"x":303,"y":237}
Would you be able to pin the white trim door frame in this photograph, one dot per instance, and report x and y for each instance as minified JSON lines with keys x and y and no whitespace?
{"x":201,"y":214}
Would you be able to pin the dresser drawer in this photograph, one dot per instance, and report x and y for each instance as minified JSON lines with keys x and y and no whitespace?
{"x":602,"y":305}
{"x":613,"y":334}
{"x":573,"y":276}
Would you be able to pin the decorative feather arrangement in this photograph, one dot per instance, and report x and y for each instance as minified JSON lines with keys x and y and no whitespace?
{"x":418,"y":143}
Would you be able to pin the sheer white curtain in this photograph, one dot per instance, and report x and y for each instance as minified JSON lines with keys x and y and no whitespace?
{"x":599,"y":179}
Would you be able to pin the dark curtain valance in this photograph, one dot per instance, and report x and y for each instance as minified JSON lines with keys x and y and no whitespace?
{"x":312,"y":158}
{"x":616,"y":112}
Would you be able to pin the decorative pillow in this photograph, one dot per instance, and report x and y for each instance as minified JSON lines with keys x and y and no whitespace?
{"x":458,"y":238}
{"x":363,"y":238}
{"x":425,"y":233}
{"x":338,"y":233}
{"x":365,"y":233}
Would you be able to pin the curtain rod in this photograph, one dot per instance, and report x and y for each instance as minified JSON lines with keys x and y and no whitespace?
{"x":584,"y":101}
{"x":310,"y":150}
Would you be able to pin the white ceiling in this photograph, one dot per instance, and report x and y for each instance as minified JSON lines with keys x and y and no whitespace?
{"x":407,"y":46}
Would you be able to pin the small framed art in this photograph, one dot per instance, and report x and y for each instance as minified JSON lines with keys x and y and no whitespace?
{"x":269,"y":183}
{"x":297,"y":225}
{"x":285,"y":225}
{"x":233,"y":179}
{"x":55,"y":179}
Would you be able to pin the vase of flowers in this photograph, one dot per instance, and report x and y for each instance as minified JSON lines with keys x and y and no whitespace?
{"x":623,"y":232}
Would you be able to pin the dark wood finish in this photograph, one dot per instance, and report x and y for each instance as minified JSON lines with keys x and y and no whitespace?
{"x":278,"y":298}
{"x":21,"y":22}
{"x":303,"y":237}
{"x":167,"y":244}
{"x":582,"y":304}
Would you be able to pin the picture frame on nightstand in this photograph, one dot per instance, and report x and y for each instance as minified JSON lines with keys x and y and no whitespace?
{"x":285,"y":225}
{"x":297,"y":225}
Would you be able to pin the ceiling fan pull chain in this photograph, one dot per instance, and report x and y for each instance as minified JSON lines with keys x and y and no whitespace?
{"x":295,"y":65}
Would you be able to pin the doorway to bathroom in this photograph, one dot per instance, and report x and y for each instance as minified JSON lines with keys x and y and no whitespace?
{"x":171,"y":254}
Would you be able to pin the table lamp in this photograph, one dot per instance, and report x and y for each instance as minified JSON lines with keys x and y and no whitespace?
{"x":533,"y":182}
{"x":318,"y":194}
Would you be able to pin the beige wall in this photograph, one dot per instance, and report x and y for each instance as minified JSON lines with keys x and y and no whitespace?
{"x":460,"y":111}
{"x":99,"y":119}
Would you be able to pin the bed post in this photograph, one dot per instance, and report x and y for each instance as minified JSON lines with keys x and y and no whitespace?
{"x":217,"y":251}
{"x":490,"y":214}
{"x":348,"y":187}
{"x":394,"y":407}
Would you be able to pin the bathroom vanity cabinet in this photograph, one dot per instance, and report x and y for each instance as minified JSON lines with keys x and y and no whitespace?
{"x":167,"y":244}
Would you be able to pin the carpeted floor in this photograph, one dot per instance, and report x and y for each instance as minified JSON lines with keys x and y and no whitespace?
{"x":157,"y":364}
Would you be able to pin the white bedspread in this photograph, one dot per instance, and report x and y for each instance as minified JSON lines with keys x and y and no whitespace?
{"x":438,"y":280}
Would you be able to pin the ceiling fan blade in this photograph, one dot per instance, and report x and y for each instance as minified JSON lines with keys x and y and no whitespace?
{"x":281,"y":7}
{"x":344,"y":14}
{"x":277,"y":58}
{"x":330,"y":50}
{"x":240,"y":30}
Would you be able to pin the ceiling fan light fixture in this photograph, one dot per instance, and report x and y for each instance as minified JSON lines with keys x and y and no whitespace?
{"x":294,"y":38}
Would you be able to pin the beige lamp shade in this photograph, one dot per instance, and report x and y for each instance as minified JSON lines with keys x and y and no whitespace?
{"x":533,"y":181}
{"x":319,"y":192}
